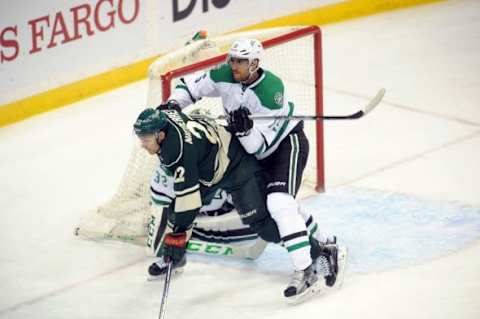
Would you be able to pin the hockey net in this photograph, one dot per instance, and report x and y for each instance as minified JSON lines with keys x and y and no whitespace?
{"x":292,"y":53}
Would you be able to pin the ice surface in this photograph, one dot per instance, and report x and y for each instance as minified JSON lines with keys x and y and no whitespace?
{"x":402,"y":192}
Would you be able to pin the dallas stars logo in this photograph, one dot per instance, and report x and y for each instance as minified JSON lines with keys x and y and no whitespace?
{"x":278,"y":98}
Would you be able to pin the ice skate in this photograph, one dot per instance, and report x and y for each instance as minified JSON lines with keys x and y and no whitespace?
{"x":158,"y":269}
{"x":341,"y":262}
{"x":331,"y":263}
{"x":303,"y":285}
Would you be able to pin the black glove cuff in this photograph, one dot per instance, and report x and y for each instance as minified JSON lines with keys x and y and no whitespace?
{"x":170,"y":105}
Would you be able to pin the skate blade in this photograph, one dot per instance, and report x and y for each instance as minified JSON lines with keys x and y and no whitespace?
{"x":317,"y":287}
{"x":175,"y":272}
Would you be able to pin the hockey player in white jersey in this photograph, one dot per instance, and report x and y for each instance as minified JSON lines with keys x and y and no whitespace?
{"x":217,"y":230}
{"x":282,"y":149}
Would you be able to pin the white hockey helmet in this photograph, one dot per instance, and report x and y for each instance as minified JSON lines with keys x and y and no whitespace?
{"x":250,"y":49}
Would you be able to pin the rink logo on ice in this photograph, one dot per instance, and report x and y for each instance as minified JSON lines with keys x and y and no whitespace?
{"x":211,"y":249}
{"x":67,"y":25}
{"x":186,"y":11}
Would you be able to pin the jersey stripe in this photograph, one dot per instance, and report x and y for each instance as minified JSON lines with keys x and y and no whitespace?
{"x":162,"y":201}
{"x":226,"y":236}
{"x":180,"y":153}
{"x":294,"y":235}
{"x":298,"y":246}
{"x":188,"y":202}
{"x":187,"y":190}
{"x":282,"y":129}
{"x":262,"y":147}
{"x":185,"y":87}
{"x":158,"y":192}
{"x":292,"y":177}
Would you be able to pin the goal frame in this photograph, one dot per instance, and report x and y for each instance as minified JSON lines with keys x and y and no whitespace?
{"x":167,"y":78}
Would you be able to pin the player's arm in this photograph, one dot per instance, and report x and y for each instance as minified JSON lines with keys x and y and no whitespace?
{"x":183,"y":209}
{"x":192,"y":88}
{"x":257,"y":137}
{"x":161,"y":187}
{"x":186,"y":186}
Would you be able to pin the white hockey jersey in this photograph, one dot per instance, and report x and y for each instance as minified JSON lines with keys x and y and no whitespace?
{"x":162,"y":192}
{"x":264,"y":96}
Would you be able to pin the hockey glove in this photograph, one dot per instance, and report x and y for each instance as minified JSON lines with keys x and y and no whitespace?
{"x":174,"y":246}
{"x":169,"y":105}
{"x":239,"y":122}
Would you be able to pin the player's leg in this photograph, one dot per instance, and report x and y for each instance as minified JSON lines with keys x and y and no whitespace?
{"x":284,"y":169}
{"x":223,"y":233}
{"x":224,"y":228}
{"x":249,"y":200}
{"x":325,"y":251}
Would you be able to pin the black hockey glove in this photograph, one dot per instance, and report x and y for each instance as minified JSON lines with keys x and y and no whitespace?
{"x":174,"y":246}
{"x":239,"y":122}
{"x":169,"y":105}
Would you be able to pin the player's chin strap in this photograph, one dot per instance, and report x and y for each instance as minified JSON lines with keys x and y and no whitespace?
{"x":251,"y":72}
{"x":158,"y":142}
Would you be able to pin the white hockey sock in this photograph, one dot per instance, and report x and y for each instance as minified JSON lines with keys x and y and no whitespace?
{"x":292,"y":228}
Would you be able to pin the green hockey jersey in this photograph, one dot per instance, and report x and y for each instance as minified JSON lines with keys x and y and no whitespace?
{"x":202,"y":156}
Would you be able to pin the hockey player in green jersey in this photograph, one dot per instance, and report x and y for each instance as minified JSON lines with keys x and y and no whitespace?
{"x":203,"y":156}
{"x":217,"y":230}
{"x":281,"y":148}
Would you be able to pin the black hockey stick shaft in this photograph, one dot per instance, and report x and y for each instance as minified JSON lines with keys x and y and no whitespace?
{"x":168,"y":276}
{"x":354,"y":116}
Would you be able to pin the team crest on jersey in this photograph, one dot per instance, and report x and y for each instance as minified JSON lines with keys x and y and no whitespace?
{"x":278,"y":98}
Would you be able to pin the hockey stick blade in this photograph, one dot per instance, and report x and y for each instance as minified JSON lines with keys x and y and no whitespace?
{"x":373,"y":103}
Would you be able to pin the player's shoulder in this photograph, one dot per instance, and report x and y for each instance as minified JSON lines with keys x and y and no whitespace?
{"x":222,"y":73}
{"x":270,"y":90}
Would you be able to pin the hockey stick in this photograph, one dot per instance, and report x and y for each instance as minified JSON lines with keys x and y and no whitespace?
{"x":163,"y":304}
{"x":359,"y":114}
